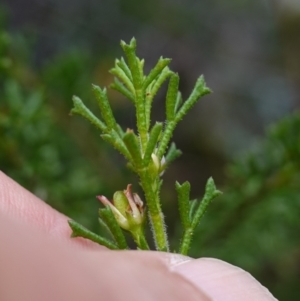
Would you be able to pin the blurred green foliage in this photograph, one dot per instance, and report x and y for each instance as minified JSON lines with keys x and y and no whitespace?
{"x":40,"y":147}
{"x":255,"y":225}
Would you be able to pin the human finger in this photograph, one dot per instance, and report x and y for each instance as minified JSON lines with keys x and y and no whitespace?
{"x":38,"y":267}
{"x":221,"y":280}
{"x":18,"y":203}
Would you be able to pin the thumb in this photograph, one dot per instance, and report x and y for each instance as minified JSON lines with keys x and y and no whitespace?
{"x":37,"y":267}
{"x":221,"y":280}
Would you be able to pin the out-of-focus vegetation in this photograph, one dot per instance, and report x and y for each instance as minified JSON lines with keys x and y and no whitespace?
{"x":255,"y":224}
{"x":41,"y":147}
{"x":249,"y":53}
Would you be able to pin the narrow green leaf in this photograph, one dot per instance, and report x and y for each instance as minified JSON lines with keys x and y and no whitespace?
{"x":183,"y":192}
{"x":132,"y":62}
{"x":131,"y":167}
{"x":199,"y":90}
{"x":210,"y":193}
{"x":122,"y":64}
{"x":109,"y":219}
{"x":193,"y":205}
{"x":123,"y":77}
{"x":160,"y":80}
{"x":178,"y":101}
{"x":118,"y":86}
{"x":81,"y":109}
{"x":166,"y":137}
{"x":141,"y":67}
{"x":80,"y":231}
{"x":114,"y":139}
{"x":172,"y":96}
{"x":151,"y":92}
{"x":141,"y":118}
{"x":158,"y":187}
{"x":140,"y":239}
{"x":104,"y":226}
{"x":156,"y":71}
{"x":131,"y":141}
{"x":152,"y":142}
{"x":107,"y":114}
{"x":120,"y":131}
{"x":135,"y":66}
{"x":173,"y":153}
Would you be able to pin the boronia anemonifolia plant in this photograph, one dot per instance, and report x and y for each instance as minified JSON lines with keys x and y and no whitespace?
{"x":148,"y":153}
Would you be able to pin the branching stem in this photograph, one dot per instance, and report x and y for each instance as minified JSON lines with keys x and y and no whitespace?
{"x":145,"y":152}
{"x":156,"y":216}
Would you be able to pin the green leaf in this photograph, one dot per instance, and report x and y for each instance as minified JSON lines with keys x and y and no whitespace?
{"x":210,"y":193}
{"x":81,"y":109}
{"x":118,"y":86}
{"x":152,"y":142}
{"x":122,"y":64}
{"x":183,"y":192}
{"x":172,"y":96}
{"x":141,"y":67}
{"x":193,"y":205}
{"x":80,"y":231}
{"x":156,"y":71}
{"x":120,"y":131}
{"x":160,"y":80}
{"x":104,"y":225}
{"x":131,"y":141}
{"x":123,"y":77}
{"x":132,"y":62}
{"x":173,"y":153}
{"x":167,"y":134}
{"x":178,"y":101}
{"x":114,"y":139}
{"x":199,"y":90}
{"x":104,"y":106}
{"x":151,"y":92}
{"x":117,"y":233}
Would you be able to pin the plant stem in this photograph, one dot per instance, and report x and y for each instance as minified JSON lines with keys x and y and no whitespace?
{"x":158,"y":227}
{"x":156,"y":216}
{"x":186,"y":241}
{"x":140,"y":240}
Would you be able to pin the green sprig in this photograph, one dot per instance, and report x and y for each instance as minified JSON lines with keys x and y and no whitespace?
{"x":148,"y":153}
{"x":192,"y":212}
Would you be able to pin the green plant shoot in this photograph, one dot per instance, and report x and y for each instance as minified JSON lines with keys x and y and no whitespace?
{"x":148,"y":153}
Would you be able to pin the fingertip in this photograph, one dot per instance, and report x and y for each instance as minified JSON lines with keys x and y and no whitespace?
{"x":20,"y":205}
{"x":222,"y":281}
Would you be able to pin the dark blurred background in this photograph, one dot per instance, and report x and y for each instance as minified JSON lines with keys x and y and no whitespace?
{"x":249,"y":52}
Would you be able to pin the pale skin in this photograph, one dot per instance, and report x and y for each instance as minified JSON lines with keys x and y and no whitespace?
{"x":39,"y":261}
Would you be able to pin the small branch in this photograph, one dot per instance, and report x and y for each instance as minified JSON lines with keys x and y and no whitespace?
{"x":210,"y":193}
